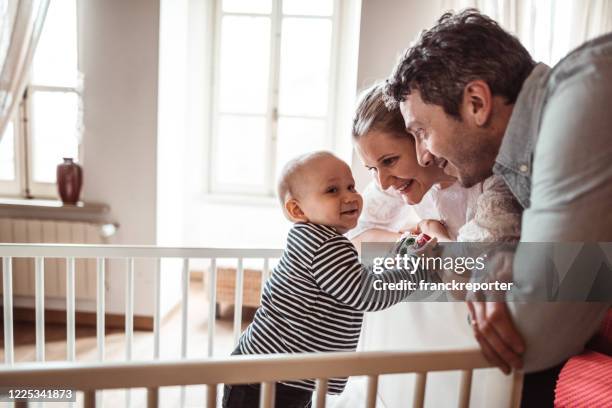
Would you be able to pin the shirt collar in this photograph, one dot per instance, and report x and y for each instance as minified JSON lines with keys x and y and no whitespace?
{"x":519,"y":139}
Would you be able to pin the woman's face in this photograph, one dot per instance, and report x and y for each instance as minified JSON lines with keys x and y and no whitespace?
{"x":392,"y":161}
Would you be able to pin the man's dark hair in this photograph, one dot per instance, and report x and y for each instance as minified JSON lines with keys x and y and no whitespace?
{"x":460,"y":48}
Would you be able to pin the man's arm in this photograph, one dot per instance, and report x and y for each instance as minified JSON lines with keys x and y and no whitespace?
{"x":570,"y":202}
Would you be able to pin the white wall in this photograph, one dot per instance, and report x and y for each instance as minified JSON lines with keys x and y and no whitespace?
{"x":119,"y":58}
{"x":387,"y":28}
{"x":173,"y":165}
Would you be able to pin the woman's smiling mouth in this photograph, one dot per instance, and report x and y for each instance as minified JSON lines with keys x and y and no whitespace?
{"x":405,"y":187}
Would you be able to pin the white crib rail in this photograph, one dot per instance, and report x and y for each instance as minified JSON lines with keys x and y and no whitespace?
{"x":101,"y":253}
{"x":155,"y":374}
{"x":249,"y":369}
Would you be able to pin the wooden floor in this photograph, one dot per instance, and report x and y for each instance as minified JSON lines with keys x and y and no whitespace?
{"x":86,"y":347}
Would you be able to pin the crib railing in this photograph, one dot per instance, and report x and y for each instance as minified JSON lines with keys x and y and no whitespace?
{"x":102,"y":253}
{"x":265,"y":370}
{"x":152,"y":375}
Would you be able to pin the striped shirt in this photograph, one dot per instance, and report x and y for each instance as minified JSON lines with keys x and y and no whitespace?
{"x":315,"y":299}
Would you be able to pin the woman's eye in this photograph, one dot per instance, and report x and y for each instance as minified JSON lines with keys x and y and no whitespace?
{"x":389,"y":161}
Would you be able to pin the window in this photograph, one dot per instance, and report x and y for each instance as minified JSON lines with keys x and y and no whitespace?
{"x":273,"y":89}
{"x":46,"y":128}
{"x":9,"y":152}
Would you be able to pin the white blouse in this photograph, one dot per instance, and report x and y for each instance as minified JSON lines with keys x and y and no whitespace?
{"x":486,"y":212}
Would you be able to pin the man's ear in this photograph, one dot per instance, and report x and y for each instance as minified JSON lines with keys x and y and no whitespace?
{"x":477,"y":102}
{"x":292,"y":207}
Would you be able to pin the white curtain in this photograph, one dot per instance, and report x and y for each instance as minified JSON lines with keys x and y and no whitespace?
{"x":549,"y":29}
{"x":21,"y":22}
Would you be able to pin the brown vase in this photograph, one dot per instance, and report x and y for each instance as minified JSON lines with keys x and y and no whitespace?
{"x":69,"y":181}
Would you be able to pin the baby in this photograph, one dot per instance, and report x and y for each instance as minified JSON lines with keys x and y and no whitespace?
{"x":315,"y":298}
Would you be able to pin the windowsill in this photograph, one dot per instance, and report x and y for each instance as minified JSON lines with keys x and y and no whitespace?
{"x":52,"y":210}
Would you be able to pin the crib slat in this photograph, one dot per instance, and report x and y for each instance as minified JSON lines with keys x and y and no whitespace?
{"x":185,"y":307}
{"x":517,"y":389}
{"x":39,"y":279}
{"x":100,"y":310}
{"x":320,"y":392}
{"x":129,"y":320}
{"x":90,"y":399}
{"x":184,"y":315}
{"x":419,"y":390}
{"x":465,"y":389}
{"x":372,"y":391}
{"x":70,"y":311}
{"x":157,"y":313}
{"x":266,"y":399}
{"x":100,"y":316}
{"x":152,"y":397}
{"x":265,"y":273}
{"x":212,"y":296}
{"x":129,"y":309}
{"x":7,"y":282}
{"x":238,"y":301}
{"x":211,"y":395}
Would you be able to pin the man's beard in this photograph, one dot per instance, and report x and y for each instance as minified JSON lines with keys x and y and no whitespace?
{"x":476,"y":163}
{"x":470,"y":180}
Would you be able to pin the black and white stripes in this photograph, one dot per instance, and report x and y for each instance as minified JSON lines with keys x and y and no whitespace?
{"x":315,"y":299}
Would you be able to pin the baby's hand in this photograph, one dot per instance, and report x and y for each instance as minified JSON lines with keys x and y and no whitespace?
{"x":429,"y":248}
{"x":433,"y":228}
{"x":415,"y":244}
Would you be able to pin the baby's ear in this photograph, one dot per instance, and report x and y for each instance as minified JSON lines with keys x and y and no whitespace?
{"x":293,"y":210}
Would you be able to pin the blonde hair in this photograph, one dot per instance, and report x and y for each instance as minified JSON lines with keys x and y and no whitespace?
{"x":372,"y":115}
{"x":287,"y":181}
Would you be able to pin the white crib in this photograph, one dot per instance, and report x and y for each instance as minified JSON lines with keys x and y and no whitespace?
{"x":91,"y":378}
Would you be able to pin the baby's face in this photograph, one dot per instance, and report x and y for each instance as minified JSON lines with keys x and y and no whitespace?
{"x":328,"y":195}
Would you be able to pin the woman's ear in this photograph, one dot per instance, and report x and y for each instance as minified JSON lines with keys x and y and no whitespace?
{"x":295,"y":213}
{"x":477,"y":102}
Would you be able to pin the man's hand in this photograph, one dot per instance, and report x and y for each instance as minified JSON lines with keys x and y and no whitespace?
{"x":499,"y":340}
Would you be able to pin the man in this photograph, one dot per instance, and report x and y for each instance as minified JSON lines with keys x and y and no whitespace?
{"x":477,"y":104}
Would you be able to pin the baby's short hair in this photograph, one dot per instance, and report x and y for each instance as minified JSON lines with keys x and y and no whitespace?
{"x":287,"y":181}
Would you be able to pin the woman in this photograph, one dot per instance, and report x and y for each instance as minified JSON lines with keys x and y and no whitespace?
{"x":389,"y":153}
{"x":444,"y":209}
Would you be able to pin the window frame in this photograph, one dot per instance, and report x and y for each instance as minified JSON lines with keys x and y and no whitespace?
{"x":33,"y":187}
{"x":14,"y":188}
{"x":271,"y":115}
{"x":24,"y":185}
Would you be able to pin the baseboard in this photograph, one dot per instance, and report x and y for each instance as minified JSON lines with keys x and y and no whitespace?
{"x":112,"y":321}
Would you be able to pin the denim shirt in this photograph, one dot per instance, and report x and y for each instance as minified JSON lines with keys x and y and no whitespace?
{"x":515,"y":158}
{"x":515,"y":155}
{"x":556,"y":158}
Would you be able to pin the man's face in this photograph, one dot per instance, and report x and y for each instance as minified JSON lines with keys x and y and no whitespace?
{"x":461,"y":148}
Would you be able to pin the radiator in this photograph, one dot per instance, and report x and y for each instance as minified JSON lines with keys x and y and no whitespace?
{"x":14,"y":230}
